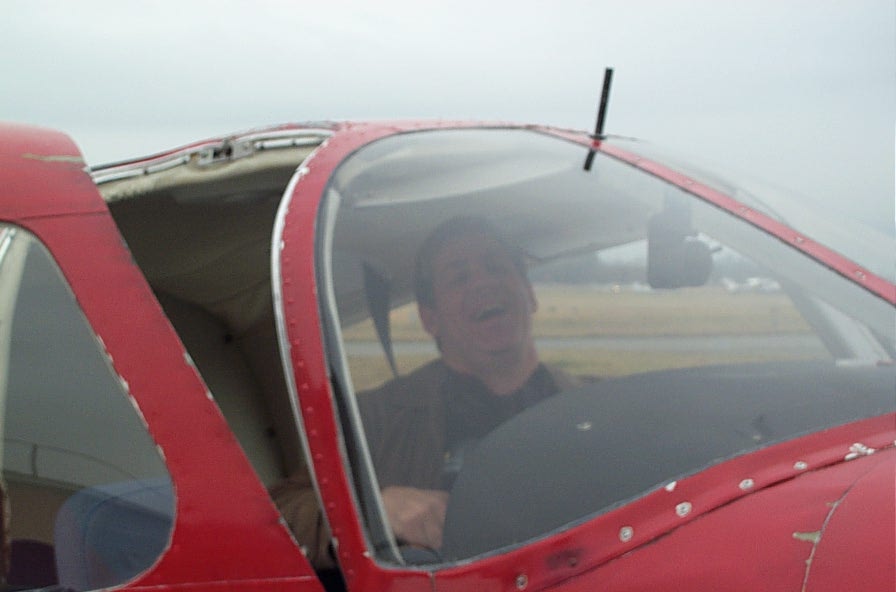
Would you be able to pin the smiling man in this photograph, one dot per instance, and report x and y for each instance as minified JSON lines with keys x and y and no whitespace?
{"x":474,"y":298}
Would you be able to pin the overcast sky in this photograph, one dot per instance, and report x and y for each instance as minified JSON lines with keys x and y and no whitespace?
{"x":801,"y":93}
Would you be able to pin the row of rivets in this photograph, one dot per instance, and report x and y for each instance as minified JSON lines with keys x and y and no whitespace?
{"x":858,"y":449}
{"x":627,"y":533}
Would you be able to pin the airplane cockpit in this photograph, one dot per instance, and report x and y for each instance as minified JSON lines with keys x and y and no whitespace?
{"x":693,"y":335}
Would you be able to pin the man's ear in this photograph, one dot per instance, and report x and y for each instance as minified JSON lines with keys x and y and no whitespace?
{"x":428,"y":319}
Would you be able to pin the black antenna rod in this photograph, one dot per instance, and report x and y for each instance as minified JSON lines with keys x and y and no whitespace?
{"x":602,"y":111}
{"x":601,"y":116}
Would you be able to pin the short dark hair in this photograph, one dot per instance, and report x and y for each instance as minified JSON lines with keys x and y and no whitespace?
{"x":438,"y":238}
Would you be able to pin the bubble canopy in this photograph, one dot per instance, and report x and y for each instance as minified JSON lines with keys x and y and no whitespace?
{"x":638,"y":281}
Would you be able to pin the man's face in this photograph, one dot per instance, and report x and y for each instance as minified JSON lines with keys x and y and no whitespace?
{"x":482,"y":305}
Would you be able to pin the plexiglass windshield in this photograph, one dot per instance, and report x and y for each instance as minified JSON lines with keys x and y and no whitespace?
{"x":524,"y":341}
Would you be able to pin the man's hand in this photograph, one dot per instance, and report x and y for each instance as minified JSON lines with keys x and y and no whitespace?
{"x":417,"y":516}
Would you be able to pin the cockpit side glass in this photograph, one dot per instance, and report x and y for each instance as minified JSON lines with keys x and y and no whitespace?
{"x":657,"y":318}
{"x":90,"y":502}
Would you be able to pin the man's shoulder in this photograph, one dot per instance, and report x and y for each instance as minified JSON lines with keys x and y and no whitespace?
{"x":562,"y":379}
{"x":413,"y":389}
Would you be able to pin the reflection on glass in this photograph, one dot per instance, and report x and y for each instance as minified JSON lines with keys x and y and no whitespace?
{"x":90,"y":501}
{"x":664,"y":325}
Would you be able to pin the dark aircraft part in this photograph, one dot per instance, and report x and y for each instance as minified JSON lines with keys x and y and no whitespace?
{"x":593,"y":449}
{"x":377,"y":289}
{"x":676,"y":258}
{"x":601,"y":115}
{"x":604,"y":98}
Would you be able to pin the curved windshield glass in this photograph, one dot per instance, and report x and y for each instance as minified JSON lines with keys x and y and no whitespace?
{"x":527,"y":341}
{"x":864,"y":244}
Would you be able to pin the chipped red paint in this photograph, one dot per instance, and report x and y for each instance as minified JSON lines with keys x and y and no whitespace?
{"x":763,"y":542}
{"x":854,"y":539}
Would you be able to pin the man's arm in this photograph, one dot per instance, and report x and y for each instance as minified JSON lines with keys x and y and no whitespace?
{"x":417,"y":516}
{"x":297,"y":501}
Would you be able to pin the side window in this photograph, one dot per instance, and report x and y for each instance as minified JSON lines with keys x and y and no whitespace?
{"x":89,"y":503}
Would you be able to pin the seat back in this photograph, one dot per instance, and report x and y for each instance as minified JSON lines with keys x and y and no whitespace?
{"x":107,"y":535}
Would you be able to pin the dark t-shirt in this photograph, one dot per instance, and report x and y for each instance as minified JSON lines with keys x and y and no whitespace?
{"x":474,"y":411}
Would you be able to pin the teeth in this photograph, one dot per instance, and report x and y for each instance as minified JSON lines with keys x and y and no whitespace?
{"x":489,"y":312}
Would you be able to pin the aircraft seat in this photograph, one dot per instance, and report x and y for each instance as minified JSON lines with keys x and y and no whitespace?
{"x":235,"y":388}
{"x":108,"y":534}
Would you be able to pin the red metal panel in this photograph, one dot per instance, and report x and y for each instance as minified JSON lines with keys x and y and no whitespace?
{"x":764,"y":542}
{"x":856,"y":547}
{"x":303,"y":324}
{"x":227,"y":531}
{"x":34,"y":165}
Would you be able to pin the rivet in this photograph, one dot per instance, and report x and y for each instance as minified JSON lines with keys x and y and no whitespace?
{"x":800,"y":465}
{"x":626,"y":533}
{"x":671,"y":486}
{"x":798,"y":240}
{"x":683,"y":509}
{"x":746,"y":484}
{"x":522,"y":582}
{"x":858,"y":449}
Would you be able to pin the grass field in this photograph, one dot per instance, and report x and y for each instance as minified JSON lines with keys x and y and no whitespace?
{"x":582,"y":311}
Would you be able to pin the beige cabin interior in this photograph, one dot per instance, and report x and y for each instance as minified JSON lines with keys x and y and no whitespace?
{"x":201,"y":234}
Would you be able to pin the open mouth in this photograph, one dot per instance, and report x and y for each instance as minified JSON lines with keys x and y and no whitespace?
{"x":490,"y":313}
